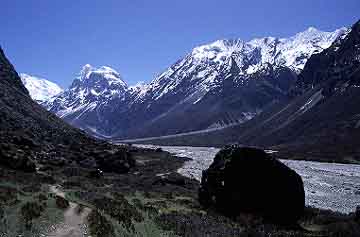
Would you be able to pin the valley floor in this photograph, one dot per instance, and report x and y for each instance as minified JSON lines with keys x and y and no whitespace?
{"x":327,"y":185}
{"x":151,"y":200}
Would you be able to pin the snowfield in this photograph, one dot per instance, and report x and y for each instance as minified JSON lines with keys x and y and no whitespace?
{"x":327,"y":185}
{"x":40,"y":89}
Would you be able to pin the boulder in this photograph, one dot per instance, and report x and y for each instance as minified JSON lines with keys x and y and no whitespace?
{"x":247,"y":180}
{"x":1,"y":212}
{"x":95,"y":174}
{"x":173,"y":179}
{"x":56,"y":161}
{"x":357,"y":214}
{"x":61,"y":202}
{"x":159,"y":149}
{"x":118,"y":162}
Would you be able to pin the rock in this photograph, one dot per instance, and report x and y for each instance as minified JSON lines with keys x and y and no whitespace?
{"x":173,"y":179}
{"x":62,"y":202}
{"x":57,"y":161}
{"x":117,"y":162}
{"x":1,"y":212}
{"x":88,"y":163}
{"x":45,"y":168}
{"x":159,"y":149}
{"x":357,"y":214}
{"x":95,"y":174}
{"x":73,"y":171}
{"x":249,"y":180}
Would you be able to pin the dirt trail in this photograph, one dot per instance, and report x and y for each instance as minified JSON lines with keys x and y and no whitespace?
{"x":75,"y":223}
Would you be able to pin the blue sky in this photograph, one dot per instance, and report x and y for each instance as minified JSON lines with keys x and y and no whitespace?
{"x":140,"y":39}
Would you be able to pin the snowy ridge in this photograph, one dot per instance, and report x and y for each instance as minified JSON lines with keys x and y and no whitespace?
{"x":112,"y":76}
{"x":40,"y":89}
{"x":207,"y":65}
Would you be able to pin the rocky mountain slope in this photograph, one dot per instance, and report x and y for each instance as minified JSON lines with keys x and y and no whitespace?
{"x":321,"y":122}
{"x":40,"y":89}
{"x":215,"y":85}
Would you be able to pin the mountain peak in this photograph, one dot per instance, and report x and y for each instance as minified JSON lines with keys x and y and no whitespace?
{"x":312,"y":29}
{"x":217,"y":50}
{"x":90,"y":73}
{"x":85,"y":70}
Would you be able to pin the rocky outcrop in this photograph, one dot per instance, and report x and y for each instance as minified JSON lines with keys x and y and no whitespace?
{"x":248,"y":180}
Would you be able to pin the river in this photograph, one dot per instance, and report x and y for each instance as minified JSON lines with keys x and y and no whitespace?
{"x":327,"y":185}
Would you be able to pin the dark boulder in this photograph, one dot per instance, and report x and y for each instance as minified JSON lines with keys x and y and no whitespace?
{"x":88,"y":163}
{"x":172,"y":179}
{"x":56,"y":161}
{"x":73,"y":171}
{"x":95,"y":174}
{"x":119,"y":161}
{"x":249,"y":180}
{"x":61,"y":202}
{"x":357,"y":214}
{"x":159,"y":149}
{"x":1,"y":212}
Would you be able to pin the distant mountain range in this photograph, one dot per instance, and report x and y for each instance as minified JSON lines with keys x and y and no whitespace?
{"x":223,"y":83}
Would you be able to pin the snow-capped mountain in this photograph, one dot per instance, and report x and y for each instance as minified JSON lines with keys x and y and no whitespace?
{"x":92,"y":92}
{"x":321,"y":121}
{"x":40,"y":89}
{"x":205,"y":63}
{"x":215,"y":85}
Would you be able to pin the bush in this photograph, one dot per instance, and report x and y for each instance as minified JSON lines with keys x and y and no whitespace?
{"x":120,"y":209}
{"x":30,"y":211}
{"x":348,"y":229}
{"x":99,"y":225}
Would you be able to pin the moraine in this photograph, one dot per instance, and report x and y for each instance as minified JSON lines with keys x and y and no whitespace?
{"x":327,"y":185}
